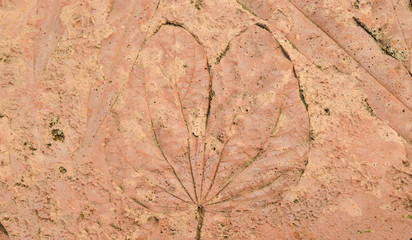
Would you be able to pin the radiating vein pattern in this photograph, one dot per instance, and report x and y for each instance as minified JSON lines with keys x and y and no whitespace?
{"x":186,"y":133}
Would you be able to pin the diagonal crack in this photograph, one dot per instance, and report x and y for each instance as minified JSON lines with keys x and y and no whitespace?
{"x":397,"y":54}
{"x":3,"y":231}
{"x":343,"y":49}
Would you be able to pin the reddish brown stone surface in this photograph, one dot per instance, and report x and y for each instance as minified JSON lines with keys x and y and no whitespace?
{"x":201,"y":119}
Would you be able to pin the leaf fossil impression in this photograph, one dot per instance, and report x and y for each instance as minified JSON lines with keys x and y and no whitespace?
{"x":185,"y":137}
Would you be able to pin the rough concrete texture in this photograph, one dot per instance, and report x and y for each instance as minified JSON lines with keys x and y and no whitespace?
{"x":205,"y":119}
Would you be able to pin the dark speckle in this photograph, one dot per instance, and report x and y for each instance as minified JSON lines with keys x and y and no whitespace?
{"x":311,"y":136}
{"x":58,"y":135}
{"x":53,"y":120}
{"x":30,"y":146}
{"x":62,"y":170}
{"x":356,"y":4}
